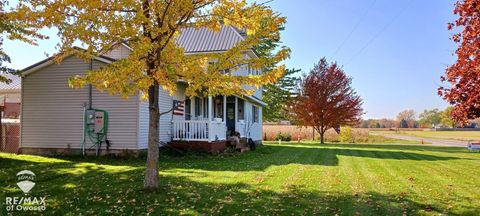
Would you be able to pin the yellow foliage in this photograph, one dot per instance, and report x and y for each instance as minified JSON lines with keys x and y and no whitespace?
{"x":151,"y":29}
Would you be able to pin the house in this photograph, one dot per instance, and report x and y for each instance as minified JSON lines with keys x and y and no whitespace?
{"x":10,"y":94}
{"x":54,"y":115}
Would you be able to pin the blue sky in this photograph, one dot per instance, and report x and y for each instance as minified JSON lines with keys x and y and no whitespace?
{"x":396,"y":51}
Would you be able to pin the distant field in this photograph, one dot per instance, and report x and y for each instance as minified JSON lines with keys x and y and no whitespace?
{"x":360,"y":135}
{"x":456,"y":135}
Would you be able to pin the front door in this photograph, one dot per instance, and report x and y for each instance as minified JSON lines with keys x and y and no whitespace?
{"x":230,"y":118}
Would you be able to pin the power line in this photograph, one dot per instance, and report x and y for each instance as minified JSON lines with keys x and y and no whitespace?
{"x":379,"y":33}
{"x":353,"y":29}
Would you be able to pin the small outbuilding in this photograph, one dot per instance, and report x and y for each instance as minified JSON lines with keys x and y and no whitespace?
{"x":10,"y":96}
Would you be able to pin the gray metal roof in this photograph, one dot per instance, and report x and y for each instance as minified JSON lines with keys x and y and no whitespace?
{"x":205,"y":40}
{"x":16,"y":83}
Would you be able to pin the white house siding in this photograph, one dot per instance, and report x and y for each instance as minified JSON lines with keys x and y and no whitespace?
{"x":243,"y":71}
{"x":143,"y":125}
{"x":165,"y":126}
{"x":52,"y":112}
{"x":255,"y":131}
{"x":119,"y":52}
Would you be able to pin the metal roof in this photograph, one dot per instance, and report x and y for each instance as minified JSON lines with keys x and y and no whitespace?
{"x":16,"y":83}
{"x":205,"y":40}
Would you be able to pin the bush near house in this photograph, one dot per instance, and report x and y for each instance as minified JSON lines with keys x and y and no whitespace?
{"x":283,"y":136}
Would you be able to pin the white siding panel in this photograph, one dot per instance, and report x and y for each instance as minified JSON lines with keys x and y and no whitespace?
{"x":143,"y":125}
{"x":255,"y":131}
{"x":118,"y":52}
{"x":165,"y":103}
{"x":52,"y":112}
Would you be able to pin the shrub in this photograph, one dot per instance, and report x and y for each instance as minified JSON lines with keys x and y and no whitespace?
{"x":283,"y":136}
{"x":346,"y":135}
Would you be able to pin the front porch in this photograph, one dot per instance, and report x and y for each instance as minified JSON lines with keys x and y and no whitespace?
{"x":208,"y":119}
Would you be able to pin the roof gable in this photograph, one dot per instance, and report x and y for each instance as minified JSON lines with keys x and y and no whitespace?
{"x":49,"y":61}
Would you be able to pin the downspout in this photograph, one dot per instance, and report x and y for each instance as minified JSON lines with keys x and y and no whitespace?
{"x":90,"y":88}
{"x":84,"y":109}
{"x":84,"y":129}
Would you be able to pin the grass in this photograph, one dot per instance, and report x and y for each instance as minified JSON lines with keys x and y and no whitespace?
{"x":298,"y":179}
{"x":376,"y":139}
{"x":372,"y":139}
{"x":455,"y":135}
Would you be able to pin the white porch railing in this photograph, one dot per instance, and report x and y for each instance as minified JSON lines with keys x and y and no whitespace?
{"x":198,"y":130}
{"x":190,"y":130}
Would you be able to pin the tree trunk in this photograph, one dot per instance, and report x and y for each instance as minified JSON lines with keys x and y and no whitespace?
{"x":322,"y":141}
{"x":151,"y":174}
{"x":322,"y":135}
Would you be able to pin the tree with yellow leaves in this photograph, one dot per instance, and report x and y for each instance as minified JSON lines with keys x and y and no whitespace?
{"x":13,"y":30}
{"x":151,"y":28}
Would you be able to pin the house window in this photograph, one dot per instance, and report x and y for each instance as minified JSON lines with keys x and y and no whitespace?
{"x":241,"y":109}
{"x":218,"y":107}
{"x":198,"y":104}
{"x":255,"y":113}
{"x":205,"y":107}
{"x":253,"y":71}
{"x":226,"y":71}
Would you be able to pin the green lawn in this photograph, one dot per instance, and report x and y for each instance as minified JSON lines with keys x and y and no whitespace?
{"x":299,"y":179}
{"x":456,"y":135}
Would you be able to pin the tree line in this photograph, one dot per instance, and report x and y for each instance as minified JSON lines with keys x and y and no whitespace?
{"x":429,"y":118}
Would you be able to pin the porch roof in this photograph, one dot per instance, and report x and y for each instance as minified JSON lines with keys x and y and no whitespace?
{"x":256,"y":100}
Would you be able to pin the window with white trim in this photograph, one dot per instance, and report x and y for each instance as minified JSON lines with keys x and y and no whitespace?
{"x":255,"y":113}
{"x":240,"y":109}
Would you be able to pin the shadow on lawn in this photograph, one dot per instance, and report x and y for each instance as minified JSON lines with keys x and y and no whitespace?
{"x":412,"y":147}
{"x":97,"y":191}
{"x":276,"y":155}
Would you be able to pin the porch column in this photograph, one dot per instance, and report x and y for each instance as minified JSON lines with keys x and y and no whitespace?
{"x":210,"y":115}
{"x":192,"y":107}
{"x":236,"y":112}
{"x":224,"y":109}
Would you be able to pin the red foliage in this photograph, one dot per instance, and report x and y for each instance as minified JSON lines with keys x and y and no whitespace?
{"x":464,"y":75}
{"x":326,"y":99}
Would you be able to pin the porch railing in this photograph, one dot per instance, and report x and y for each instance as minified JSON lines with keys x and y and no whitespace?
{"x":198,"y":130}
{"x":190,"y":130}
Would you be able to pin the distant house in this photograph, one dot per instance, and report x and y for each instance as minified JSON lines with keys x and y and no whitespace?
{"x":10,"y":96}
{"x":53,"y":114}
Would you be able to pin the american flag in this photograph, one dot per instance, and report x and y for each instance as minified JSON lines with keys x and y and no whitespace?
{"x":178,"y":107}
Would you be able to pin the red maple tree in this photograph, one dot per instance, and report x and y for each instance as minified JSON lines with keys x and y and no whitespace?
{"x":463,"y":76}
{"x":326,"y":100}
